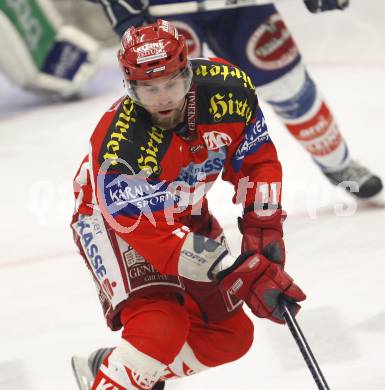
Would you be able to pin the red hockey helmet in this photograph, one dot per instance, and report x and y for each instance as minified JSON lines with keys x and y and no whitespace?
{"x":151,"y":51}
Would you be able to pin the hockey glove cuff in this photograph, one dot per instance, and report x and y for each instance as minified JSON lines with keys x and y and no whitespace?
{"x":262,"y":233}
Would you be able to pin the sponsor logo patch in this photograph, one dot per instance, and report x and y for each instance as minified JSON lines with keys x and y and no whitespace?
{"x":216,"y":139}
{"x":150,"y":52}
{"x":87,"y":230}
{"x":227,"y":105}
{"x":271,"y":46}
{"x":256,"y":135}
{"x":236,"y":286}
{"x":149,"y":159}
{"x":194,"y":172}
{"x":191,"y":113}
{"x":319,"y":135}
{"x":155,"y":70}
{"x":118,"y":132}
{"x":224,"y":72}
{"x":132,"y":194}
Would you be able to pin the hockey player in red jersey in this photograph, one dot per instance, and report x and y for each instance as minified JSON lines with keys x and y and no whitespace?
{"x":257,"y":39}
{"x":157,"y":255}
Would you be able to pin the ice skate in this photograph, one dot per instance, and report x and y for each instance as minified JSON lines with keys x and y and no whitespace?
{"x":82,"y":372}
{"x":369,"y":185}
{"x":85,"y":369}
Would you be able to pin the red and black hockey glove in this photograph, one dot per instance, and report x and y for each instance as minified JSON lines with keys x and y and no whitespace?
{"x":257,"y":276}
{"x":261,"y":283}
{"x":262,"y":233}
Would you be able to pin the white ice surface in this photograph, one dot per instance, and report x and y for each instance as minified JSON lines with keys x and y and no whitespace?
{"x":49,"y":309}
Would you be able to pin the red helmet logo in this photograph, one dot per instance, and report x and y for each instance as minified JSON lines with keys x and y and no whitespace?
{"x":152,"y":51}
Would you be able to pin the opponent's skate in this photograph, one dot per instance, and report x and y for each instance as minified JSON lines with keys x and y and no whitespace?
{"x":369,"y":185}
{"x":85,"y":369}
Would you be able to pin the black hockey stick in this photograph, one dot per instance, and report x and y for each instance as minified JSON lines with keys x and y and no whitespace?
{"x":303,"y":345}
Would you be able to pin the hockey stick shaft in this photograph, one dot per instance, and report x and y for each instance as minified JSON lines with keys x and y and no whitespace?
{"x":303,"y":346}
{"x":187,"y":7}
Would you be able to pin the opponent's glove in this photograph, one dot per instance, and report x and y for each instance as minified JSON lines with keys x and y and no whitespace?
{"x":262,"y":233}
{"x":315,"y":6}
{"x":260,"y":283}
{"x":126,"y":13}
{"x":42,"y":53}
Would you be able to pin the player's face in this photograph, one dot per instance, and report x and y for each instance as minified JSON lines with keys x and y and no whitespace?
{"x":168,"y":118}
{"x":164,"y":98}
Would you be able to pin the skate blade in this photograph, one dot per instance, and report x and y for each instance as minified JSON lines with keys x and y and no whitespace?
{"x":82,"y":373}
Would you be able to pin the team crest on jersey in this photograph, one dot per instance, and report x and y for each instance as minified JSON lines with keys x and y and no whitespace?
{"x":271,"y":46}
{"x":216,"y":139}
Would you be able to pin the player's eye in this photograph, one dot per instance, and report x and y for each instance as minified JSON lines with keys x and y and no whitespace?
{"x":150,"y":89}
{"x":171,"y":85}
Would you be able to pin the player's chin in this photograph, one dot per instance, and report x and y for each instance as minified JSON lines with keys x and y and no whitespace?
{"x":166,"y":122}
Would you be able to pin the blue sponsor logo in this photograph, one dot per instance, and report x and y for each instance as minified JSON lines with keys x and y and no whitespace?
{"x":195,"y":173}
{"x":134,"y":195}
{"x":256,"y":135}
{"x":64,"y":60}
{"x":90,"y":248}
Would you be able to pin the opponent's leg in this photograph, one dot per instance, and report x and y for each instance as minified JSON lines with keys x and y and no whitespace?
{"x":263,"y":46}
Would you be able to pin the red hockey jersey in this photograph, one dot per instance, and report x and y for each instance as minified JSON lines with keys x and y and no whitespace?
{"x":144,"y":178}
